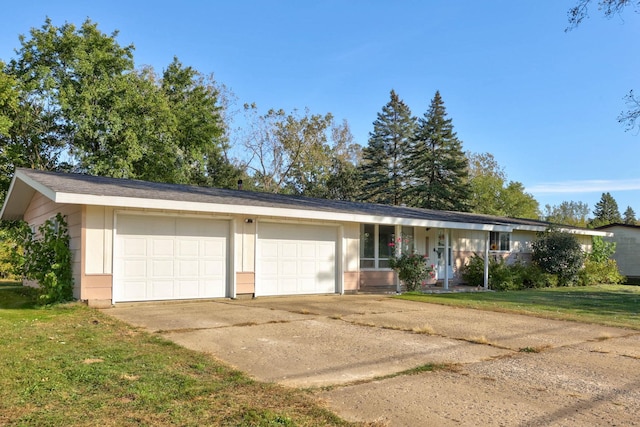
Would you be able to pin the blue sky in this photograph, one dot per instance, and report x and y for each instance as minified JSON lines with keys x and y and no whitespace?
{"x":543,"y":101}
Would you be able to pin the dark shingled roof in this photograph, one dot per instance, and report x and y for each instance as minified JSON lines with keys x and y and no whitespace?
{"x":101,"y":186}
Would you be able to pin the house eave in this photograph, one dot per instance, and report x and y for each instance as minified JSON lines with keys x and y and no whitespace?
{"x":261,"y":211}
{"x":21,"y":191}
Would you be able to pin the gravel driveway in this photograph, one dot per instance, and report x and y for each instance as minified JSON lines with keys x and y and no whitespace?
{"x":354,"y":350}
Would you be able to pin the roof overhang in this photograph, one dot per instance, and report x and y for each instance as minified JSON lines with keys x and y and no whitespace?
{"x":21,"y":191}
{"x":23,"y":188}
{"x":247,"y":210}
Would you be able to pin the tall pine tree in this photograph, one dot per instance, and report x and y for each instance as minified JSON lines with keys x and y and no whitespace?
{"x":630,"y":216}
{"x":383,"y":168}
{"x":606,"y":211}
{"x":438,"y":166}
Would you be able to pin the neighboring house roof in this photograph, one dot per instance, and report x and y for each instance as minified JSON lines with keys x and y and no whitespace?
{"x":101,"y":191}
{"x":618,"y":224}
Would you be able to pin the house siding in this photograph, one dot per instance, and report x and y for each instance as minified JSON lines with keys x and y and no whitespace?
{"x":41,"y":209}
{"x":627,"y":255}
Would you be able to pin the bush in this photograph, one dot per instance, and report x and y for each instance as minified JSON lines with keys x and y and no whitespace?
{"x":412,"y":269}
{"x":500,"y":275}
{"x":506,"y":277}
{"x":600,"y":272}
{"x":47,"y":260}
{"x":560,"y":254}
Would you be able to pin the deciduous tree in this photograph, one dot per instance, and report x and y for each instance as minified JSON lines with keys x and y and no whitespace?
{"x":80,"y":100}
{"x":568,"y":213}
{"x":305,"y":154}
{"x":610,"y":8}
{"x":491,"y":194}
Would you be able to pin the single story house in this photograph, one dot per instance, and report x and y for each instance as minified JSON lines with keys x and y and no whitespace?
{"x":627,"y":255}
{"x":141,"y":241}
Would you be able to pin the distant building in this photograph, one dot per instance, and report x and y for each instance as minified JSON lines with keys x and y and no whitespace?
{"x":627,"y":239}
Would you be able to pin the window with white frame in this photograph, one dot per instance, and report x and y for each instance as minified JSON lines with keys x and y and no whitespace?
{"x":378,"y":243}
{"x":499,"y":241}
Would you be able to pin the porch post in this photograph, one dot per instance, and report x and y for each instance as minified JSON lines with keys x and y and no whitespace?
{"x":486,"y":259}
{"x":397,"y":250}
{"x":446,"y":259}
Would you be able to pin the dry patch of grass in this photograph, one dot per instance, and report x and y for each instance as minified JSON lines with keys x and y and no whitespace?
{"x":305,"y":311}
{"x":246,"y":324}
{"x":424,"y":329}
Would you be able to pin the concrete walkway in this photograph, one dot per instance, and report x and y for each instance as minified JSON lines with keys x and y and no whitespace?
{"x":504,"y":369}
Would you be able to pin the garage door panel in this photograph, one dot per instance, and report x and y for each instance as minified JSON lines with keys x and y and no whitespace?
{"x":169,"y":258}
{"x":161,"y":289}
{"x":296,"y":259}
{"x":188,"y":268}
{"x":214,"y":248}
{"x":213,"y":268}
{"x":135,"y":268}
{"x":288,"y":249}
{"x":189,"y":288}
{"x":162,"y":247}
{"x":135,"y":290}
{"x":188,"y":248}
{"x":134,"y":246}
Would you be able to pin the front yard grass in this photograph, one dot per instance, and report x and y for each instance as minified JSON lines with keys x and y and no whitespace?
{"x":73,"y":365}
{"x":611,"y":305}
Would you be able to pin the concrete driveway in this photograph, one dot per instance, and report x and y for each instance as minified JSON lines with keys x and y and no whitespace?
{"x":503,"y":369}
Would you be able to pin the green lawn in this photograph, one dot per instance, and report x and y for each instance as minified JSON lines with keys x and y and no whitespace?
{"x":72,"y":365}
{"x":606,"y":304}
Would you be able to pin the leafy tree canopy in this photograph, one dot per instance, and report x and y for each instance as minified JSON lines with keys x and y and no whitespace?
{"x":304,"y":154}
{"x":81,"y":105}
{"x":491,"y":194}
{"x":567,"y":213}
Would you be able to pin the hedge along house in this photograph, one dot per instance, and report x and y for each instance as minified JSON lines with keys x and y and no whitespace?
{"x":143,"y":241}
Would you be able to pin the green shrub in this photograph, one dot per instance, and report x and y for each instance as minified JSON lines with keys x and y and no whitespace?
{"x":600,"y":272}
{"x":412,"y":269}
{"x":47,"y":260}
{"x":473,"y":271}
{"x":533,"y":277}
{"x":506,"y":277}
{"x":500,"y":276}
{"x":560,"y":254}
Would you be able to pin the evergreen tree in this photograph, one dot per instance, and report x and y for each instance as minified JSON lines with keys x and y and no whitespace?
{"x":606,"y":211}
{"x":384,"y":164}
{"x":439,"y":167}
{"x":630,"y":216}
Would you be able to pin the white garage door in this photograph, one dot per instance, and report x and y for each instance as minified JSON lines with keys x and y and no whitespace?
{"x":164,"y":258}
{"x":296,"y":259}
